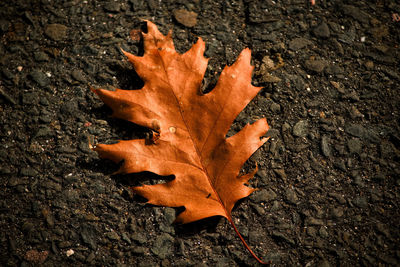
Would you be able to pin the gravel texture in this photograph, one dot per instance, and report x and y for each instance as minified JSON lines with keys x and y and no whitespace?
{"x":328,"y":177}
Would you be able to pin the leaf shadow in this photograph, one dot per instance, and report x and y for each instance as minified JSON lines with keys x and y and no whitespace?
{"x":210,"y":79}
{"x":125,"y":73}
{"x":187,"y":230}
{"x":126,"y":76}
{"x":209,"y":224}
{"x":126,"y":130}
{"x":137,"y":179}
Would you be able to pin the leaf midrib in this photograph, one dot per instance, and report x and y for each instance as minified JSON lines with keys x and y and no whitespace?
{"x":198,"y":154}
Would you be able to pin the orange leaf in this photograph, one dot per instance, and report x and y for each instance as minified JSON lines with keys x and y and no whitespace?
{"x":191,"y":129}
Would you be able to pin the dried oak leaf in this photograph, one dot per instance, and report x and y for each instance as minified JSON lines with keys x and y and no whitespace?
{"x":191,"y":129}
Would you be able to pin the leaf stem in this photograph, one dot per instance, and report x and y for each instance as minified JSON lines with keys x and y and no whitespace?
{"x":245,"y":244}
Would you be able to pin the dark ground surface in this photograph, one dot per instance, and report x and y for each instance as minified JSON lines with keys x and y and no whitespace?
{"x":329,"y":177}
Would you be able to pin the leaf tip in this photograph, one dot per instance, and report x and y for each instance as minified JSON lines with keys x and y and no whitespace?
{"x":152,"y":29}
{"x":130,"y":56}
{"x":123,"y":51}
{"x":245,"y":54}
